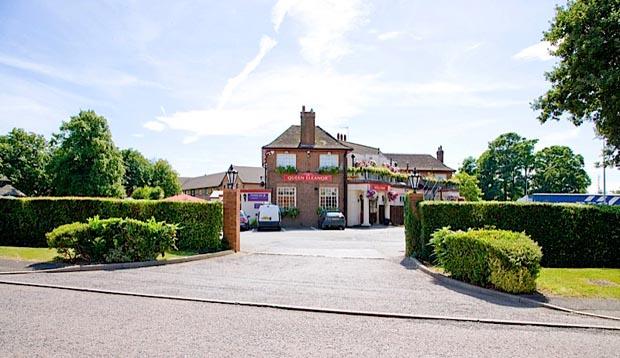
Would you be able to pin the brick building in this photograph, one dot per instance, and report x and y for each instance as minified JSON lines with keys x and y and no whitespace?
{"x":203,"y":186}
{"x":306,"y":168}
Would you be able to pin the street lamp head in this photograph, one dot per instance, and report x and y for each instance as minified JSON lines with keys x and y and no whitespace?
{"x":231,"y":175}
{"x":414,"y":180}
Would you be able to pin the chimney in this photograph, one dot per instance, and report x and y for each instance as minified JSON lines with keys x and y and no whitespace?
{"x":307,"y":127}
{"x":440,"y":154}
{"x":345,"y":137}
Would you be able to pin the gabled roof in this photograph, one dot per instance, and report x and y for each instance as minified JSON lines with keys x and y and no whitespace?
{"x":362,"y":149}
{"x":291,"y":138}
{"x":419,"y":161}
{"x":9,"y":191}
{"x":246,"y":174}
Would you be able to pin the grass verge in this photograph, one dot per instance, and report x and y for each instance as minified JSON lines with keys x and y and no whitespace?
{"x":584,"y":282}
{"x":44,"y":254}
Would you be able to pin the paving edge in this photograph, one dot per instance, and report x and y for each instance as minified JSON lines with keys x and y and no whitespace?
{"x":319,"y":309}
{"x":123,"y":265}
{"x":505,"y":295}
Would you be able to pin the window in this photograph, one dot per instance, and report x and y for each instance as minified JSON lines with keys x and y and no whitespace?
{"x":328,"y":198}
{"x":441,"y":176}
{"x":328,"y":160}
{"x":286,"y":197}
{"x":286,"y":160}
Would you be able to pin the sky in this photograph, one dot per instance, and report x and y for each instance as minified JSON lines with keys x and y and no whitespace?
{"x":206,"y":83}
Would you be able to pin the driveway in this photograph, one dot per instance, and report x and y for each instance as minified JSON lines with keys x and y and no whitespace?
{"x":359,"y":270}
{"x":372,"y":243}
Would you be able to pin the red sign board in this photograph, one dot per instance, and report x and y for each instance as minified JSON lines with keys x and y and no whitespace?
{"x":380,"y":187}
{"x":307,"y":177}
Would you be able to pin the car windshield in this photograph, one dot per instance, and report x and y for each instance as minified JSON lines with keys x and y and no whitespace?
{"x":333,"y":214}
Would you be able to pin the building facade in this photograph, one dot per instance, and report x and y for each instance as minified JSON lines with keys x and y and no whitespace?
{"x":204,"y":186}
{"x":306,"y":169}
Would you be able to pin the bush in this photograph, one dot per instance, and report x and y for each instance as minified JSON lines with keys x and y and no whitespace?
{"x":112,"y":240}
{"x":570,"y":235}
{"x":506,"y":260}
{"x":24,"y":222}
{"x":147,"y":192}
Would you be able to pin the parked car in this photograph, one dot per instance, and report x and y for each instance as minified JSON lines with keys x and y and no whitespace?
{"x":269,"y":217}
{"x":244,"y":221}
{"x":332,"y":219}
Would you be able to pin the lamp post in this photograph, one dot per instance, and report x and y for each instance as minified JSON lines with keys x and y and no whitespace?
{"x":353,"y":160}
{"x":414,"y":180}
{"x":231,"y":174}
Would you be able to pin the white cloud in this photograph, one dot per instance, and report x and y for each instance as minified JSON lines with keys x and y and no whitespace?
{"x":100,"y":77}
{"x":559,"y":137}
{"x":540,"y":51}
{"x":154,"y":126}
{"x":266,"y":44}
{"x":389,"y":35}
{"x":325,"y":25}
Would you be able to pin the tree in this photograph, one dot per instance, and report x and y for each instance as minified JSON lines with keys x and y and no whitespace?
{"x":147,"y":192}
{"x":468,"y":186}
{"x":166,"y":178}
{"x":502,"y":166}
{"x":86,"y":162}
{"x":559,"y":170}
{"x":585,"y":84}
{"x":138,"y":170}
{"x":23,"y":158}
{"x":469,"y":166}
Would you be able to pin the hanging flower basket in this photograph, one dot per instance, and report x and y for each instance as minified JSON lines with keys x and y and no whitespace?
{"x":392,"y":195}
{"x":370,"y":193}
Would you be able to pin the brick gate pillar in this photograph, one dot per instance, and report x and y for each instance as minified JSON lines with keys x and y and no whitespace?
{"x":232,"y":231}
{"x":414,"y":199}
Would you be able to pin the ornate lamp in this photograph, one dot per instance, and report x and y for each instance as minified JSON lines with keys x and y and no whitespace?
{"x":414,"y":180}
{"x":231,"y":174}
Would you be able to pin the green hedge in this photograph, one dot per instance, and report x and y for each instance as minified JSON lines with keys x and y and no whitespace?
{"x":112,"y":240}
{"x":24,"y":222}
{"x":506,"y":260}
{"x":570,"y":235}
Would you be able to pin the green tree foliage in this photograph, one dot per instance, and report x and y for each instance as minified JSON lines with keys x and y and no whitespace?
{"x":23,"y":159}
{"x":86,"y":162}
{"x":147,"y":192}
{"x":166,"y":178}
{"x":502,"y":166}
{"x":138,"y":170}
{"x":559,"y":170}
{"x":468,"y":186}
{"x":469,"y":166}
{"x":585,"y":84}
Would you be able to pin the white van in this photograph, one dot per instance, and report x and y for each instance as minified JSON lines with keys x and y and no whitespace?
{"x":269,"y":217}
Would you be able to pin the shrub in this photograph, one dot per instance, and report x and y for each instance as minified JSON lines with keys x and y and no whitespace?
{"x":506,"y":260}
{"x":329,"y":170}
{"x":147,"y":192}
{"x":112,"y":240}
{"x":289,"y":169}
{"x":24,"y":222}
{"x":570,"y":235}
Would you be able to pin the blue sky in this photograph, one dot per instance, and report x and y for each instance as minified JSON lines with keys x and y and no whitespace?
{"x":207,"y":83}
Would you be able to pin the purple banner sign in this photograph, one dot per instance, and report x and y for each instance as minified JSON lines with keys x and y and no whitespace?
{"x":258,"y":197}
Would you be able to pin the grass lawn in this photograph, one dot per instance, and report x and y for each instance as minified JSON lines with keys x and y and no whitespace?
{"x":43,"y":254}
{"x":586,"y":282}
{"x":35,"y":254}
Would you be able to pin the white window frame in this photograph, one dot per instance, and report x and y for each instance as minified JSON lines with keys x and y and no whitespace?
{"x":329,"y":195}
{"x":328,"y":160}
{"x":286,"y":159}
{"x":285,"y":196}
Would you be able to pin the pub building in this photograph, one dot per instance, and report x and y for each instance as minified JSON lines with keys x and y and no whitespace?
{"x":307,"y":168}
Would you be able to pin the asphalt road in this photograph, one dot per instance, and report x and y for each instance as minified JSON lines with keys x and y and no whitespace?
{"x":354,"y":269}
{"x":43,"y":322}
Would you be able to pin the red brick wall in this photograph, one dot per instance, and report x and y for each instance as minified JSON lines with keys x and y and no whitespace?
{"x":307,"y":192}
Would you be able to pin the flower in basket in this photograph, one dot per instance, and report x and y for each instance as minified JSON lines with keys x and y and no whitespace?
{"x":392,"y":195}
{"x":370,"y":193}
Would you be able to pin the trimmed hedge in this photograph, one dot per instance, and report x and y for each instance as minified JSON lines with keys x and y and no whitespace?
{"x":112,"y":240}
{"x":506,"y":260}
{"x":24,"y":222}
{"x":570,"y":235}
